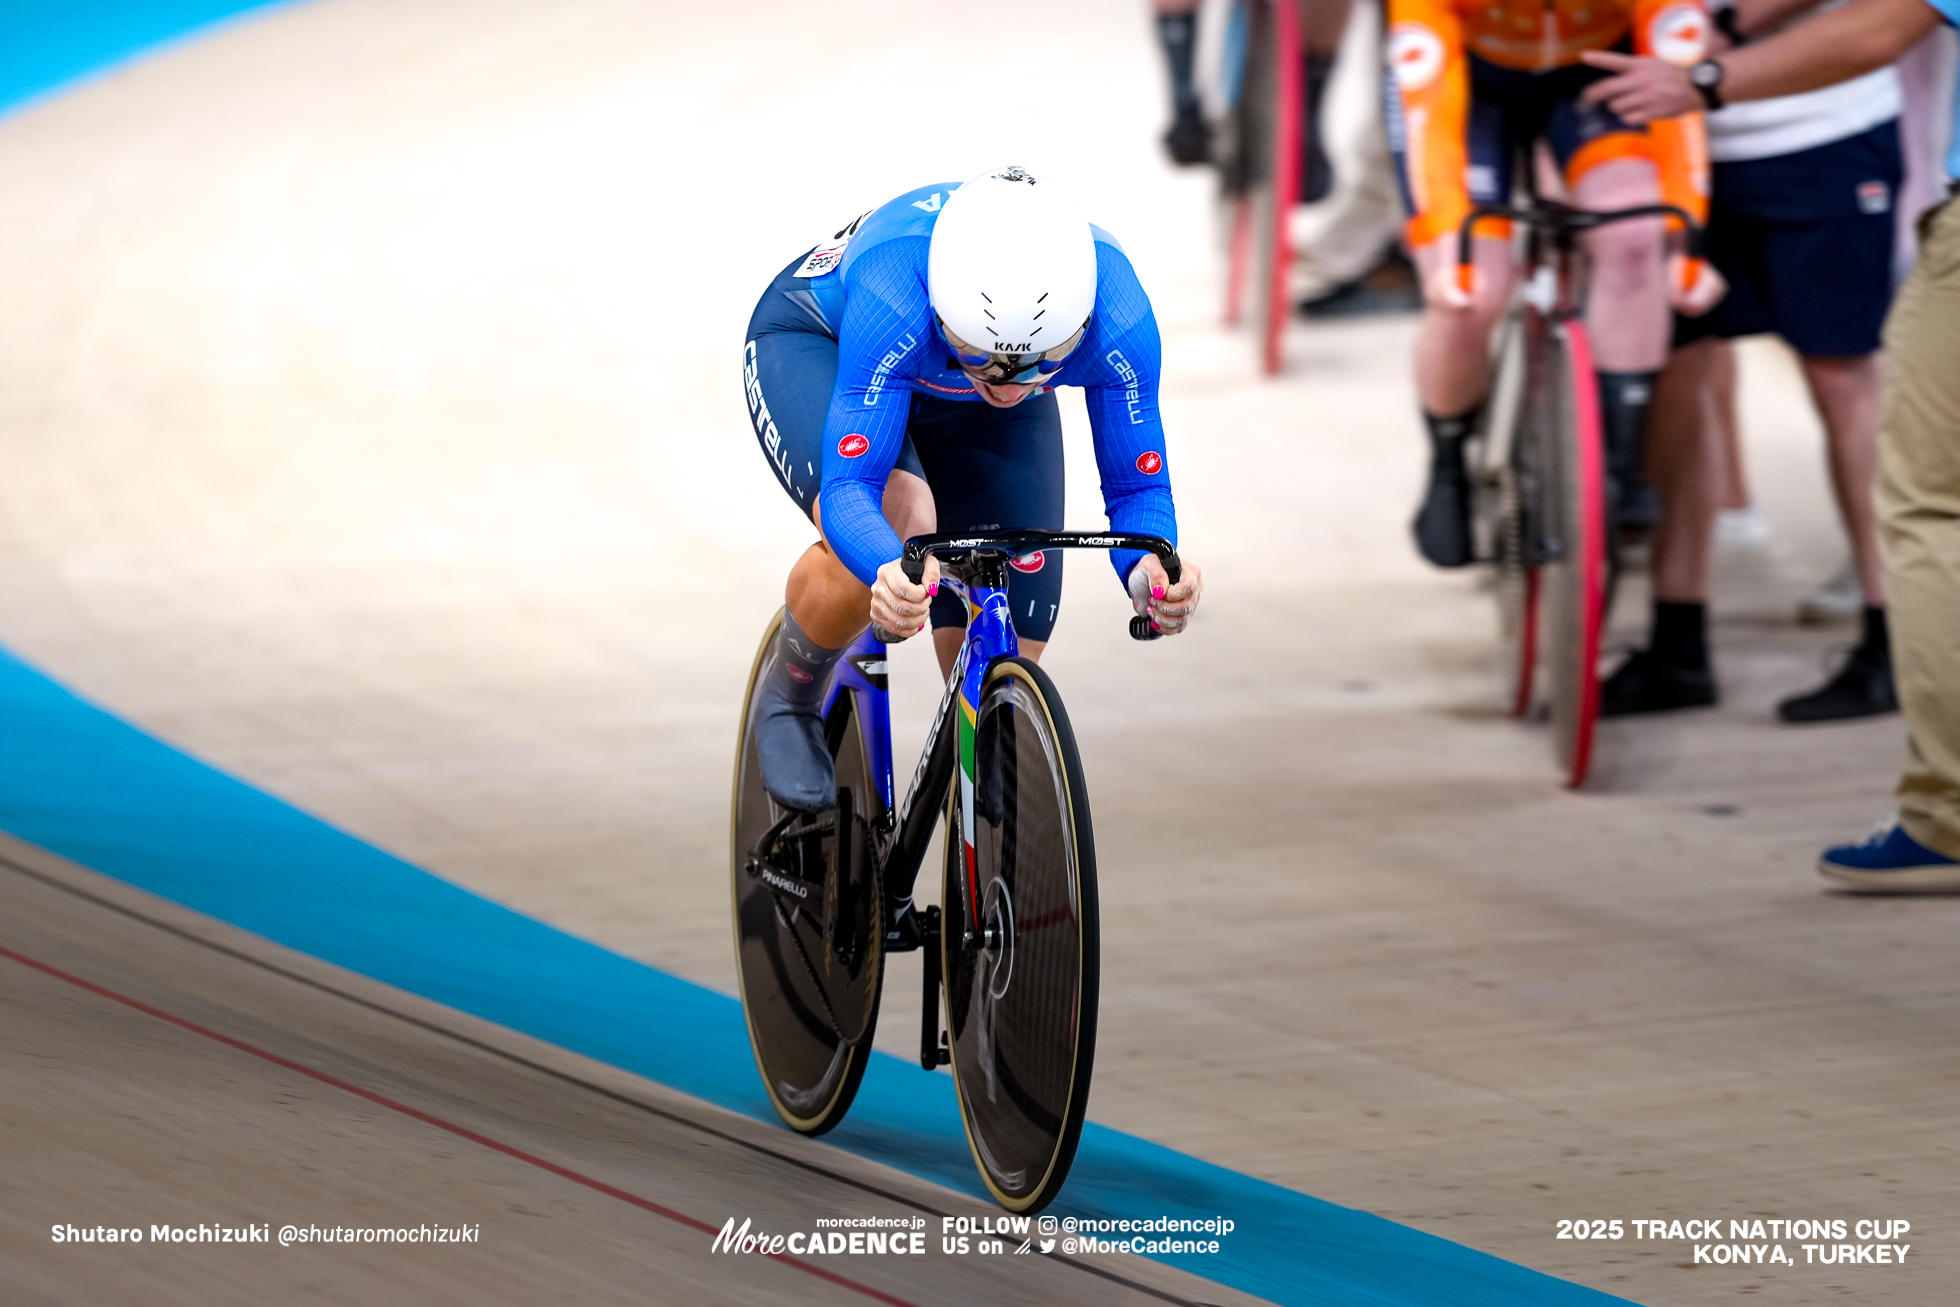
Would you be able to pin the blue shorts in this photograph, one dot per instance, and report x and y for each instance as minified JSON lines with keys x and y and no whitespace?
{"x":989,"y":468}
{"x":1511,"y":108}
{"x":1805,"y":241}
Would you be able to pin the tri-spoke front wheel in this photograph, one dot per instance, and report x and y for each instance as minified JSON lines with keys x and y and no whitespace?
{"x":1019,"y":938}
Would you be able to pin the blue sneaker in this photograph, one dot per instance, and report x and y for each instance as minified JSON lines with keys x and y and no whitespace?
{"x":1889,"y":861}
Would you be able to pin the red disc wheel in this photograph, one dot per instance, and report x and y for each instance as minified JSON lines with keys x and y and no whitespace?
{"x":1274,"y":209}
{"x":1261,"y":175}
{"x":1573,"y":532}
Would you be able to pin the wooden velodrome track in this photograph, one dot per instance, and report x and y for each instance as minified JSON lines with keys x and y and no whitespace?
{"x":371,"y":430}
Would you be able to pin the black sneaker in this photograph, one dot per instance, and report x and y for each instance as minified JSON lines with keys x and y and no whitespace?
{"x":1645,"y":684}
{"x":1862,"y":688}
{"x":1442,"y":525}
{"x":1189,"y":137}
{"x":1388,"y":287}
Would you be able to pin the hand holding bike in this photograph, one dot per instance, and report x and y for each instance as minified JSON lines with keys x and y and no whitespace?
{"x":900,"y":603}
{"x":1163,"y":599}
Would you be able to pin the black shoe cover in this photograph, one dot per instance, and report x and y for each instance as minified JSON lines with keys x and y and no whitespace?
{"x":1863,"y":688}
{"x":1189,"y":137}
{"x":796,"y":767}
{"x":1645,"y":684}
{"x":1442,"y":525}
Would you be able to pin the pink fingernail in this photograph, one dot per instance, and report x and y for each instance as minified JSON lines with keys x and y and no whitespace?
{"x":1156,"y":592}
{"x":933,"y":589}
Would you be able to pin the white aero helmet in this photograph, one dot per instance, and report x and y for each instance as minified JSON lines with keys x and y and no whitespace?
{"x":1011,"y":274}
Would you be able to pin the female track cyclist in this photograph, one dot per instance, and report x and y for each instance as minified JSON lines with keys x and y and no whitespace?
{"x":900,"y":378}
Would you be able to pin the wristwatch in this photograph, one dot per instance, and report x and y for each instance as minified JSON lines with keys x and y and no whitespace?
{"x":1706,"y":77}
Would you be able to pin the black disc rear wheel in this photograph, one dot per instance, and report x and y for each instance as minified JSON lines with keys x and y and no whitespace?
{"x":1019,"y":939}
{"x":809,"y":952}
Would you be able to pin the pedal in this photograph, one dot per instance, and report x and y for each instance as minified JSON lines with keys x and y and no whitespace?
{"x":945,"y":1052}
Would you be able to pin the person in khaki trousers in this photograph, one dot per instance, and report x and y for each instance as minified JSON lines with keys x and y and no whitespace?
{"x":1919,"y":518}
{"x":1919,"y":434}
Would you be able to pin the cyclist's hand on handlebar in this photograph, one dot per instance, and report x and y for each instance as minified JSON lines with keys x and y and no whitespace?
{"x":899,"y":606}
{"x":1445,"y":283}
{"x":1167,"y":606}
{"x":1699,"y":296}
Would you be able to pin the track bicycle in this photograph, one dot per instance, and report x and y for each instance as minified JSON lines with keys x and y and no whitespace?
{"x":1539,"y":504}
{"x":822,"y":899}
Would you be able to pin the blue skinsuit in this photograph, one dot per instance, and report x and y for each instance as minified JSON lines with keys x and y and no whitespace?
{"x":894,"y":376}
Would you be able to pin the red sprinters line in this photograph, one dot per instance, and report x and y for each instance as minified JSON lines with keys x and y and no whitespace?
{"x":440,"y":1124}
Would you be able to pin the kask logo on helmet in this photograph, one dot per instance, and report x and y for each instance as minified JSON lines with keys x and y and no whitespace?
{"x":1029,"y":562}
{"x":853,"y":445}
{"x":1149,"y":462}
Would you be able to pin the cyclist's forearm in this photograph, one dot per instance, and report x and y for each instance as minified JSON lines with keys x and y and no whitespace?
{"x":1149,"y":511}
{"x":854,"y":526}
{"x":1830,"y":48}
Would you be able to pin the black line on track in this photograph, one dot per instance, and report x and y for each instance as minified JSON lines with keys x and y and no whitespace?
{"x":566,"y":1077}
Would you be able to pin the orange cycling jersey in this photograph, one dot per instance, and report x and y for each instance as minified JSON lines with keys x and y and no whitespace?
{"x":1429,"y":45}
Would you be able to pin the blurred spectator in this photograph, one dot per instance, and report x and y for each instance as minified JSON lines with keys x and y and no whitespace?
{"x":1188,"y":140}
{"x":1919,"y":436}
{"x":1801,"y":225}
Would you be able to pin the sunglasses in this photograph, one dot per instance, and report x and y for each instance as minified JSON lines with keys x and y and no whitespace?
{"x":1009,"y":369}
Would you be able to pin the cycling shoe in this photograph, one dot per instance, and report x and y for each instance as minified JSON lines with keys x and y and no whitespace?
{"x":796,"y":766}
{"x":1189,"y":139}
{"x":1442,"y":525}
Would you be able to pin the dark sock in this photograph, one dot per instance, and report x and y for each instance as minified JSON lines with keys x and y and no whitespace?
{"x":806,"y":664}
{"x":1446,"y":435}
{"x":1318,"y":68}
{"x":1878,"y":637}
{"x":1624,"y":398}
{"x":1178,"y":34}
{"x":1680,"y":635}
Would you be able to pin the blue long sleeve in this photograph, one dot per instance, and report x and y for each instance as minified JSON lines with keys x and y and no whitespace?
{"x":888,"y":349}
{"x":1119,"y":376}
{"x":886,"y":328}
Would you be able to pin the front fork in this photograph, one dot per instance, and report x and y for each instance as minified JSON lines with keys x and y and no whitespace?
{"x":990,"y":635}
